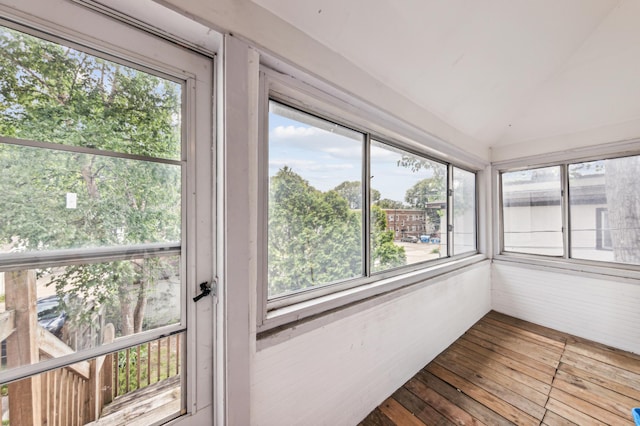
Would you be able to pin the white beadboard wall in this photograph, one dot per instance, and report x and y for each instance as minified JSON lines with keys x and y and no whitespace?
{"x":606,"y":310}
{"x":338,"y":373}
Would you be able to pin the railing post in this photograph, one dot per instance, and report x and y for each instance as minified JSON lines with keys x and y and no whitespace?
{"x":22,"y":347}
{"x":108,"y":336}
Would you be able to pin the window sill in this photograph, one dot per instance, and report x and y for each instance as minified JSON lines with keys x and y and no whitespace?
{"x":589,"y":268}
{"x":286,"y":322}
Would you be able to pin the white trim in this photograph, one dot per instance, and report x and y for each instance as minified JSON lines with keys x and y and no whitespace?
{"x":290,"y":315}
{"x":238,"y":163}
{"x":306,"y":92}
{"x":599,"y":152}
{"x":378,"y":294}
{"x":161,"y":21}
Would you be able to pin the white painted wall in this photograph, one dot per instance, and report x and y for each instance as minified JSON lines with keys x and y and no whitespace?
{"x":596,"y":307}
{"x":336,"y":374}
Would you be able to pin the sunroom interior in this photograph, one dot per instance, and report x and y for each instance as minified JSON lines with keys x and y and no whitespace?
{"x":520,"y":119}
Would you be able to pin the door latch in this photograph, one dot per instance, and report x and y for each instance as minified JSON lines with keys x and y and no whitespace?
{"x":206,"y":289}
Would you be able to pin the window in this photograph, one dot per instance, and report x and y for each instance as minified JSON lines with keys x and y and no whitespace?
{"x":532,"y":211}
{"x":464,"y":211}
{"x":343,"y":207}
{"x":603,"y":231}
{"x":93,"y":270}
{"x":603,"y":203}
{"x":601,"y":209}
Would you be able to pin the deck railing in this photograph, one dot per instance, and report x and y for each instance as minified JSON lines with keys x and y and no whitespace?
{"x":146,"y":364}
{"x":78,"y":393}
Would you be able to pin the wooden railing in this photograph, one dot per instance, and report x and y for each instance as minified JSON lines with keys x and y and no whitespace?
{"x":75,"y":394}
{"x":145,"y":364}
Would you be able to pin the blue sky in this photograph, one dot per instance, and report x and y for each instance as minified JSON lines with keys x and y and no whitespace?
{"x":326,"y":158}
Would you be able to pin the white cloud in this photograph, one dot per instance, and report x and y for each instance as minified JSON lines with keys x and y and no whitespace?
{"x":287,"y":132}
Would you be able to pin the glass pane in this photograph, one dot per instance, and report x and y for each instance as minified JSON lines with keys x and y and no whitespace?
{"x":69,"y":309}
{"x":59,"y":200}
{"x":315,"y":201}
{"x":464,"y":211}
{"x":605,"y":221}
{"x":54,"y":93}
{"x":409,"y":208}
{"x":84,"y":392}
{"x":532,"y":211}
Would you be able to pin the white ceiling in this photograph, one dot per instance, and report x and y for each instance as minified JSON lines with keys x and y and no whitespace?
{"x":500,"y":71}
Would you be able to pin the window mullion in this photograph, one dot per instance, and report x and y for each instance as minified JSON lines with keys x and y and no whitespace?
{"x":566,"y":217}
{"x":366,"y":206}
{"x":450,"y":241}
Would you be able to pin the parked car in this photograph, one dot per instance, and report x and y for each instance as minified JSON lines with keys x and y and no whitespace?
{"x":51,"y":317}
{"x":409,"y":239}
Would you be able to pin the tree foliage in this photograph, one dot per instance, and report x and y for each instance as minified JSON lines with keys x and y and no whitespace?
{"x":352,"y":192}
{"x":385,"y":253}
{"x":56,"y":94}
{"x":315,"y":237}
{"x":386,"y":203}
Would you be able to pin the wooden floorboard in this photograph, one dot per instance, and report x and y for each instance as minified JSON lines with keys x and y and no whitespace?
{"x":504,"y":370}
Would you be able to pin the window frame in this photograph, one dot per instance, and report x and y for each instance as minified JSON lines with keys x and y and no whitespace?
{"x":562,"y":160}
{"x":96,"y":34}
{"x":283,"y":311}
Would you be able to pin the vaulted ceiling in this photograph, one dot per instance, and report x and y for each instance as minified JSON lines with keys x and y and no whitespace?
{"x":500,"y":71}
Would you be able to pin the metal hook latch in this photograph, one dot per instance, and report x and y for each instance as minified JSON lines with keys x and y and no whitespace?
{"x":205,"y":288}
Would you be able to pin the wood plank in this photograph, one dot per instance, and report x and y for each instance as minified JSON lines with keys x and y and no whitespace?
{"x":455,"y":414}
{"x":496,"y":404}
{"x":470,"y":405}
{"x":522,"y":349}
{"x":509,"y":362}
{"x":570,"y":413}
{"x":377,"y":418}
{"x":553,"y":419}
{"x":518,"y":395}
{"x":53,"y":347}
{"x":7,"y":324}
{"x":522,"y":358}
{"x":596,"y":395}
{"x":525,"y":334}
{"x":624,"y":360}
{"x":610,"y":381}
{"x":529,"y":326}
{"x":398,"y":414}
{"x":421,"y":409}
{"x":536,"y":350}
{"x":600,"y":414}
{"x":503,"y":369}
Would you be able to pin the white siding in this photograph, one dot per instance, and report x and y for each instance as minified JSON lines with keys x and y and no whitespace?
{"x":599,"y":308}
{"x":338,"y":373}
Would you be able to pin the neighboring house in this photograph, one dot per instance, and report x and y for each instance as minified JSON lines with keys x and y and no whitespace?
{"x":533,"y":224}
{"x":406,"y":222}
{"x":415,"y":222}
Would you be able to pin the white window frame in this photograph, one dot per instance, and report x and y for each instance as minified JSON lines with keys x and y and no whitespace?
{"x":382,"y":127}
{"x":562,"y":159}
{"x":62,"y":20}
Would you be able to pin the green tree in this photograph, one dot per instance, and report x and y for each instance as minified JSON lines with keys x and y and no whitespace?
{"x":352,"y":192}
{"x":52,"y":93}
{"x":385,"y":253}
{"x":386,"y":203}
{"x":425,"y":191}
{"x":314,"y":236}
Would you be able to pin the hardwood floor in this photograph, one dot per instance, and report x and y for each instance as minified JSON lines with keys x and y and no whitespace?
{"x":508,"y":371}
